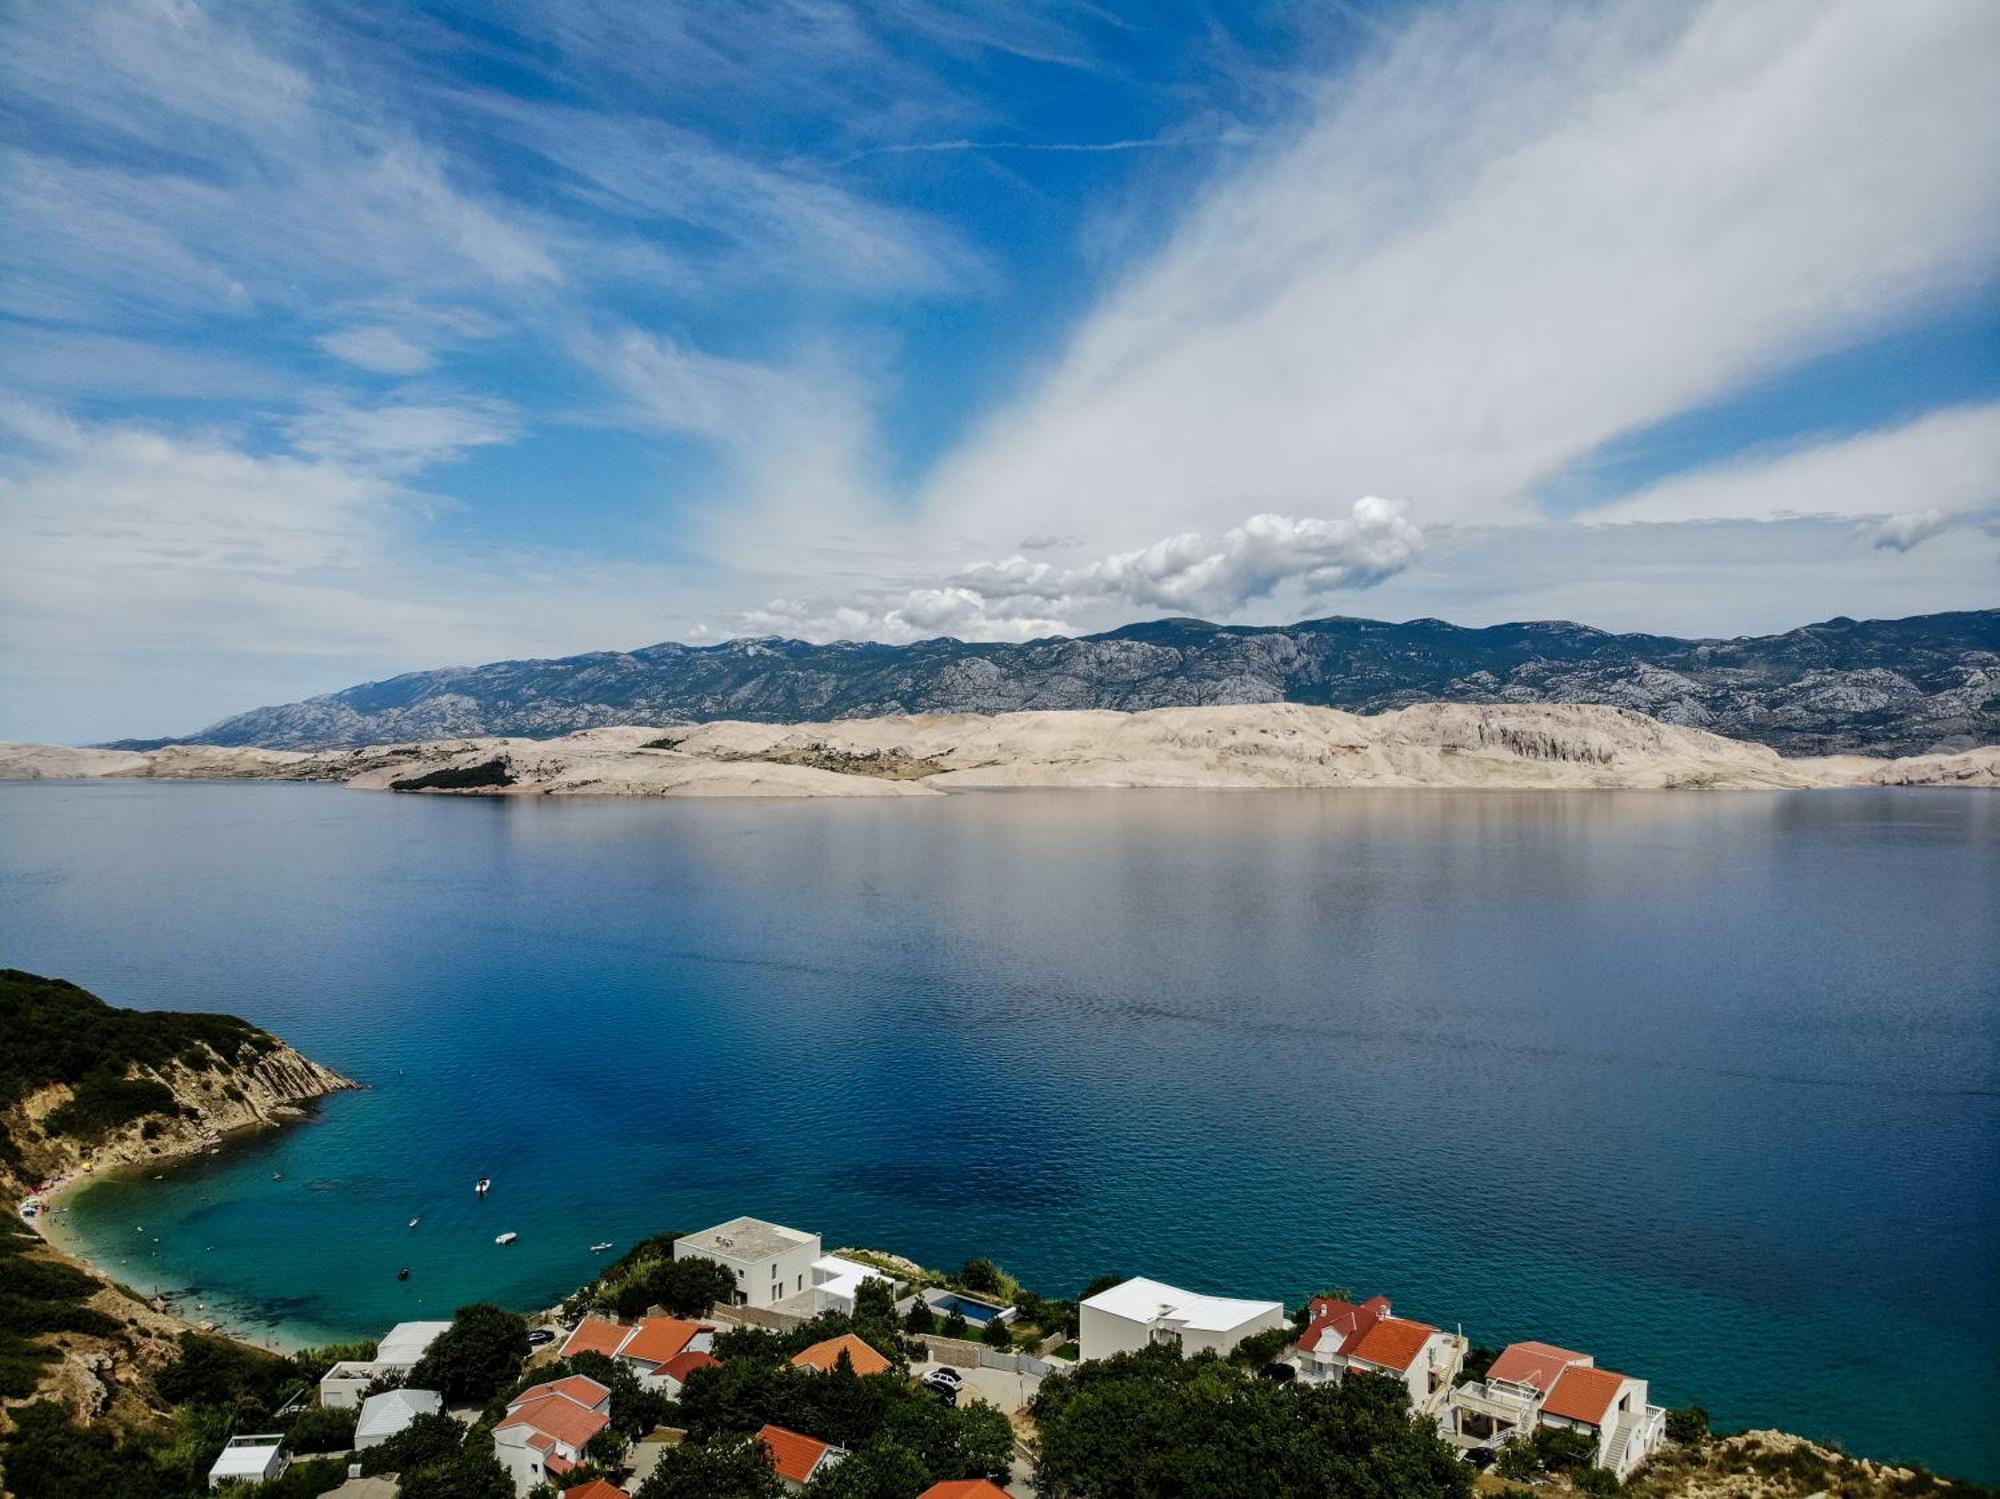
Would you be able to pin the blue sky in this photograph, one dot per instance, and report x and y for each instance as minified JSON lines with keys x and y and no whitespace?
{"x":344,"y":339}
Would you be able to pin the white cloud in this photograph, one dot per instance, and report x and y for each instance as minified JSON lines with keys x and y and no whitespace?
{"x":398,"y":437}
{"x":1898,"y":533}
{"x":1947,"y":462}
{"x":1515,"y":234}
{"x":1014,"y":598}
{"x":377,"y":348}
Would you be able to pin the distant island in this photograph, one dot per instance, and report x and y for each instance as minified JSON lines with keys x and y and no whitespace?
{"x":1929,"y":684}
{"x":1503,"y":746}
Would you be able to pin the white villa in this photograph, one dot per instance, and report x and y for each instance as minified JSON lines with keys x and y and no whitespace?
{"x":249,"y":1459}
{"x":386,"y":1414}
{"x":1539,"y":1384}
{"x":1140,"y":1312}
{"x":396,"y":1354}
{"x":1369,"y":1338}
{"x":835,"y":1281}
{"x":771,"y":1262}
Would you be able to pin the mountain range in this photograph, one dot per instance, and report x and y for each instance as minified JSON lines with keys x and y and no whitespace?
{"x":1925,"y":684}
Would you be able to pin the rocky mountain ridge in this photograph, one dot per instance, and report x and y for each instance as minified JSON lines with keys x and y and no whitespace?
{"x":1922,"y":685}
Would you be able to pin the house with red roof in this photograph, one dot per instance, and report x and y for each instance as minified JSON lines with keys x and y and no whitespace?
{"x":796,"y":1457}
{"x":1342,"y":1338}
{"x":546,"y":1428}
{"x":1539,"y":1384}
{"x":825,"y":1356}
{"x":648,"y":1347}
{"x":964,"y":1488}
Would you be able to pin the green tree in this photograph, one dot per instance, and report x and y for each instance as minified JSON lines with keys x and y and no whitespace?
{"x":1152,"y":1423}
{"x":1596,"y":1481}
{"x":1689,"y":1423}
{"x":469,"y":1475}
{"x":921,"y":1319}
{"x":49,"y":1457}
{"x":883,"y":1471}
{"x":981,"y":1275}
{"x":216,"y":1371}
{"x":1260,"y":1348}
{"x":321,"y":1428}
{"x":875,"y":1301}
{"x":975,"y":1440}
{"x":995,"y":1334}
{"x":685,"y":1288}
{"x":429,"y":1441}
{"x":955,"y":1325}
{"x":726,"y":1468}
{"x":481,"y":1352}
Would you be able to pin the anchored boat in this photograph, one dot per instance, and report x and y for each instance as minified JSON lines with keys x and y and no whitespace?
{"x":507,"y":1238}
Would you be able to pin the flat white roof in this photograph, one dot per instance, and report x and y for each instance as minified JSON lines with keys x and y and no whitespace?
{"x":406,"y":1341}
{"x":843,"y":1277}
{"x":386,"y":1414}
{"x":246,"y":1457}
{"x":749,"y":1239}
{"x":1141,"y":1300}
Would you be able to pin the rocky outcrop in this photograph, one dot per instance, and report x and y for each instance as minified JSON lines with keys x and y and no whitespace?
{"x":252,"y":1089}
{"x":1928,"y":684}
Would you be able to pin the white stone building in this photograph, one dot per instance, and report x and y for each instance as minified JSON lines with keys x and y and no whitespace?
{"x":770,"y":1262}
{"x":1140,"y":1312}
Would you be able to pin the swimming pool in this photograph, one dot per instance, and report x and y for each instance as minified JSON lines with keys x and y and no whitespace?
{"x":944,"y":1303}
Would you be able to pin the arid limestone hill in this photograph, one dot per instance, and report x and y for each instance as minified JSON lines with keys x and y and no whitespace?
{"x":1500,"y":746}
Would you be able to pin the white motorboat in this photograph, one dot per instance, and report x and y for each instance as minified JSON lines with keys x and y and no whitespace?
{"x":506,"y":1238}
{"x":483,"y":1186}
{"x":600,"y":1248}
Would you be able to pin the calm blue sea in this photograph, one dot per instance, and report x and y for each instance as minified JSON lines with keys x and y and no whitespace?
{"x":1708,"y":1085}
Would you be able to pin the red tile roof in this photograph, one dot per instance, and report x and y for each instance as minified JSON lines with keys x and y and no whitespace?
{"x":654,"y":1340}
{"x":578,"y":1387}
{"x":1346,"y":1322}
{"x":964,"y":1488}
{"x":597,"y":1488}
{"x":1392,"y":1343}
{"x":1583,"y":1394}
{"x":559,"y":1417}
{"x":681,"y":1365}
{"x":793,"y":1455}
{"x":825,"y":1356}
{"x":1537,"y":1364}
{"x":595,"y":1335}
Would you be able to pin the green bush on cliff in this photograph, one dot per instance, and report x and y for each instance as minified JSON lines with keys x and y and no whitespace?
{"x":51,"y":1031}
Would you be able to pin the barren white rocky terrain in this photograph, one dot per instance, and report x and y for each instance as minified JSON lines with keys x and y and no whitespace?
{"x":1512,"y":746}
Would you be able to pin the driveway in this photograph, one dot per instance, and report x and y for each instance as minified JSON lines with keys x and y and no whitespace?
{"x":1001,"y":1387}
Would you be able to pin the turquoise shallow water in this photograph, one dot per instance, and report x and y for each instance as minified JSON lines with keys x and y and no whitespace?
{"x":1707,"y":1085}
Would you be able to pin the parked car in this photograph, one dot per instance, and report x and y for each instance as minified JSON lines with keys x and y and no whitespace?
{"x":540,"y":1337}
{"x":947,"y":1375}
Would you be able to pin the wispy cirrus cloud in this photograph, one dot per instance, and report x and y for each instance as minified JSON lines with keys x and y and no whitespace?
{"x":1946,"y":464}
{"x":1509,"y":236}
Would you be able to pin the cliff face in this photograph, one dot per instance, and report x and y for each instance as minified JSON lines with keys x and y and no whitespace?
{"x":250,"y":1090}
{"x":1928,"y":684}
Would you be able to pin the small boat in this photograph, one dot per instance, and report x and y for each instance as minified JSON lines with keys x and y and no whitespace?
{"x":506,"y":1238}
{"x":277,"y":1176}
{"x":600,"y":1248}
{"x":404,"y":1273}
{"x":415,"y":1221}
{"x":483,"y":1186}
